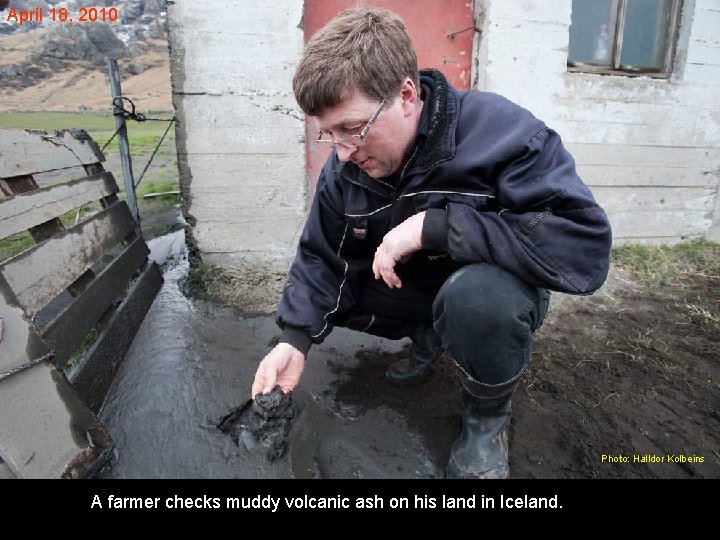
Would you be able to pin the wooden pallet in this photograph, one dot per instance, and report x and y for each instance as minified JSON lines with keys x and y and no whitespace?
{"x":91,"y":278}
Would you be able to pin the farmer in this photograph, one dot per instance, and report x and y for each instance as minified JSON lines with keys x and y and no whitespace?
{"x":442,"y":216}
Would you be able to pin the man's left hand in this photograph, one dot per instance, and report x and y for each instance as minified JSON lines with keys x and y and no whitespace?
{"x":397,"y":247}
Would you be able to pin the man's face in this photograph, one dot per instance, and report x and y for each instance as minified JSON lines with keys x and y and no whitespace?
{"x":387,"y":140}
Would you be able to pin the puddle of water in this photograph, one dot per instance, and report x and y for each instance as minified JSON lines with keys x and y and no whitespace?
{"x":192,"y":362}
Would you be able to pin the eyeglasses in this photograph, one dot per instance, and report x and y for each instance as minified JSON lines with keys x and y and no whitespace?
{"x":352,"y":141}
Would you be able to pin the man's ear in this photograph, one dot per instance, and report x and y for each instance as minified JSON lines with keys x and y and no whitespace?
{"x":408,"y":96}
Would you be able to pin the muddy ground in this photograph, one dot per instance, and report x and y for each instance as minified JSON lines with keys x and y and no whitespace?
{"x":632,"y":372}
{"x":628,"y":373}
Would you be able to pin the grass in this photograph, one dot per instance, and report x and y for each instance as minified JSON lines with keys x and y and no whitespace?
{"x":142,"y":136}
{"x":162,"y":186}
{"x":87,"y":342}
{"x":662,"y":265}
{"x":640,"y":341}
{"x":15,"y":244}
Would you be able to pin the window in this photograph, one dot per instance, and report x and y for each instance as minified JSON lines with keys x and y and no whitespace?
{"x":629,"y":37}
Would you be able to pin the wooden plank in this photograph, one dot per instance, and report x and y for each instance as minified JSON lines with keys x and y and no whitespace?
{"x":46,"y":229}
{"x":25,"y":152}
{"x":27,"y":210}
{"x":65,"y":333}
{"x":39,"y":274}
{"x":24,"y":184}
{"x":19,"y":345}
{"x":92,"y":380}
{"x":97,"y":168}
{"x":45,"y":430}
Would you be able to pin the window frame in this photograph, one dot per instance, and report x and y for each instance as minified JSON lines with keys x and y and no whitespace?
{"x":616,"y":69}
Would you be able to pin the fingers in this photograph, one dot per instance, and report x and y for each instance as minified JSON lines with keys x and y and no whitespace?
{"x":391,"y":279}
{"x":287,"y":388}
{"x":264,"y":382}
{"x":257,"y":388}
{"x":282,"y":366}
{"x":376,"y":267}
{"x":384,"y":267}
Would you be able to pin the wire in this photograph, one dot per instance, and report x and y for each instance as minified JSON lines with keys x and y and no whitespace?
{"x":170,"y":123}
{"x":132,"y":114}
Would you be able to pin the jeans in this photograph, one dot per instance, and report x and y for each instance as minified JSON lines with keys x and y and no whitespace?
{"x":484,"y":315}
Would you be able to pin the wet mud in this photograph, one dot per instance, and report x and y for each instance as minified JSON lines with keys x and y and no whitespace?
{"x":261,"y":424}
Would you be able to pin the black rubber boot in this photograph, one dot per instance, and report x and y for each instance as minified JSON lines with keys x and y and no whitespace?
{"x":426,"y":347}
{"x":481,"y":450}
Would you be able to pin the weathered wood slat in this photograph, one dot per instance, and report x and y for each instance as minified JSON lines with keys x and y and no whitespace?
{"x":27,"y":210}
{"x":45,"y":430}
{"x":65,"y":333}
{"x":93,"y":378}
{"x":19,"y":344}
{"x":23,"y":184}
{"x":39,"y":274}
{"x":24,"y":152}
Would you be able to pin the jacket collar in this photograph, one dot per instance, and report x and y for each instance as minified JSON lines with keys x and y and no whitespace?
{"x":436,"y":142}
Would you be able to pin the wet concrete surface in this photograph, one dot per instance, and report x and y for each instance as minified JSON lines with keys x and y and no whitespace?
{"x":192,"y":363}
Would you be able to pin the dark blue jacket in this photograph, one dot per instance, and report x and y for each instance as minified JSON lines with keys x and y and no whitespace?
{"x":498,"y":187}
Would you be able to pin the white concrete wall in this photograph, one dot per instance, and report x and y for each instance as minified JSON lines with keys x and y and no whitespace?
{"x":241,"y":134}
{"x":648,"y":148}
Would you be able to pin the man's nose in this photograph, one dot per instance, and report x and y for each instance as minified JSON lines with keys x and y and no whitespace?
{"x":345,"y":152}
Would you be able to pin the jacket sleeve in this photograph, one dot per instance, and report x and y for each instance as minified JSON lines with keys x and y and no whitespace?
{"x":548,"y":229}
{"x":316,"y":283}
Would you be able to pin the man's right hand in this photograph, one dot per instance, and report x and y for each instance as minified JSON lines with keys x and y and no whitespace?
{"x":283,"y":365}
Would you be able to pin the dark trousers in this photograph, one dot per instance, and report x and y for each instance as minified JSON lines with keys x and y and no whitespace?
{"x":484,"y":316}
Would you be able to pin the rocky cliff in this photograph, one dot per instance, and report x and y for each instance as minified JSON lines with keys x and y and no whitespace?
{"x":140,"y":27}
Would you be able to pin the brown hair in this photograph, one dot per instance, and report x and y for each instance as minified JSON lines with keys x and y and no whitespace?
{"x":363,"y":48}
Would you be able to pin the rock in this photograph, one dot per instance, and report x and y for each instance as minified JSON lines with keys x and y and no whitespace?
{"x":18,"y":76}
{"x":104,"y":40}
{"x":135,"y":68}
{"x":263,"y":423}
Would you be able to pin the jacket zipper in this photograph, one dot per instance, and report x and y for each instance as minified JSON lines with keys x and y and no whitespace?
{"x":396,"y":194}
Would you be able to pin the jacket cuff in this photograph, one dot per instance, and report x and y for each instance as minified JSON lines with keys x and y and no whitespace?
{"x":297,"y":338}
{"x":435,"y":230}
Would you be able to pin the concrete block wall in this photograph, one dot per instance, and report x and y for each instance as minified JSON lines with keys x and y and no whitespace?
{"x":649,"y":148}
{"x":240,"y":135}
